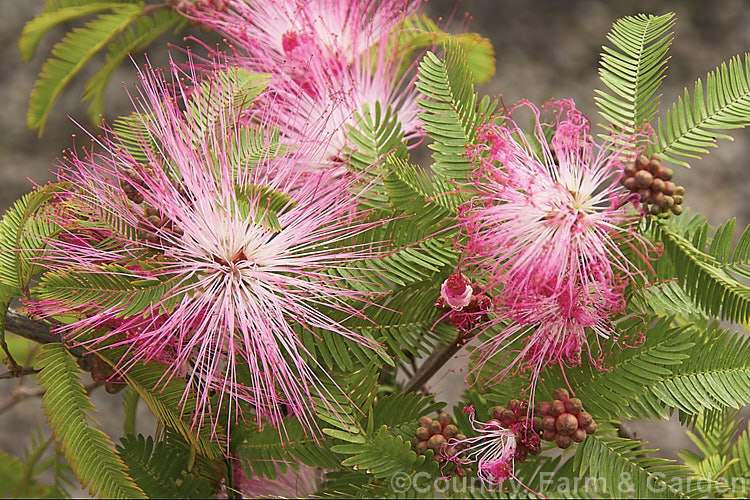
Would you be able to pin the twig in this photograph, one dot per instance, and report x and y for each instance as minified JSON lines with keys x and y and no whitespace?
{"x":35,"y":330}
{"x":18,"y":373}
{"x":433,"y":363}
{"x":22,"y":393}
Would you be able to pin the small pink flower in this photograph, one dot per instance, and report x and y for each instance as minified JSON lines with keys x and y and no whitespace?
{"x":493,"y":450}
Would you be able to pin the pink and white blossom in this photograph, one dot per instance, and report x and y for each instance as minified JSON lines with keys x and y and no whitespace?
{"x":191,"y":209}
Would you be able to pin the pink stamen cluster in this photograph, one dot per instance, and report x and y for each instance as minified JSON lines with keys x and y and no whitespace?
{"x":544,"y":232}
{"x":327,"y":59}
{"x":190,"y":212}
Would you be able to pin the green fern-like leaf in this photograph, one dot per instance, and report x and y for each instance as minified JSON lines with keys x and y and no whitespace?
{"x":690,"y":127}
{"x":714,"y":376}
{"x":704,"y":269}
{"x":87,"y":449}
{"x":628,"y":470}
{"x":450,"y":114}
{"x":114,"y":288}
{"x":160,"y":471}
{"x":139,"y":35}
{"x":71,"y":54}
{"x":634,"y":69}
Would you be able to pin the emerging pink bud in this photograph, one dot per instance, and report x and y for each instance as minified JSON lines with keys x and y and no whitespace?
{"x":456,"y":291}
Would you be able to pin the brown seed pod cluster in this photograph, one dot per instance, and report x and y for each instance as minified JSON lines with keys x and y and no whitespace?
{"x":563,"y":420}
{"x":515,"y":416}
{"x":653,"y":183}
{"x":434,"y":434}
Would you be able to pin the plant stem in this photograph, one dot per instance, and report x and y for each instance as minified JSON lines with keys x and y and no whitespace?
{"x":433,"y":363}
{"x":35,"y":330}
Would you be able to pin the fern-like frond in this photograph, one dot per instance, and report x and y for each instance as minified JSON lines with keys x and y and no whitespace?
{"x":22,"y":236}
{"x":628,"y":470}
{"x":87,"y":449}
{"x":715,"y":375}
{"x":139,"y":35}
{"x":71,"y":54}
{"x":112,"y":288}
{"x":160,"y":471}
{"x":703,"y":270}
{"x":34,"y":30}
{"x":633,"y":70}
{"x":690,"y":127}
{"x":450,"y":113}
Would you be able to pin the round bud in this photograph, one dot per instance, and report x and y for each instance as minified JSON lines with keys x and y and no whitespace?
{"x":507,"y":418}
{"x":513,"y":404}
{"x":666,"y":173}
{"x":556,"y":408}
{"x":677,"y":209}
{"x":653,"y":166}
{"x":668,"y":202}
{"x":562,"y":441}
{"x":435,"y":428}
{"x":655,"y":157}
{"x":645,"y":194}
{"x":630,"y":184}
{"x":658,"y":185}
{"x":549,"y":423}
{"x":591,"y":428}
{"x":537,"y":424}
{"x":549,"y":435}
{"x":574,"y":406}
{"x":561,"y":394}
{"x":423,"y":434}
{"x":579,"y":435}
{"x":584,"y":419}
{"x":496,"y":412}
{"x":425,"y":421}
{"x":566,"y":424}
{"x":436,"y":442}
{"x":460,"y":437}
{"x":669,"y":188}
{"x":655,"y":210}
{"x":421,"y":447}
{"x":679,"y":190}
{"x":656,"y":198}
{"x":643,"y":179}
{"x":450,"y":431}
{"x":542,"y":408}
{"x":641,"y":161}
{"x":444,"y":419}
{"x":678,"y":199}
{"x":630,"y":170}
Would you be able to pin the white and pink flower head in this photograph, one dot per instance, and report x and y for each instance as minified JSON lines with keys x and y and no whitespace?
{"x":327,"y":60}
{"x":243,"y":240}
{"x":545,"y":232}
{"x":493,"y":450}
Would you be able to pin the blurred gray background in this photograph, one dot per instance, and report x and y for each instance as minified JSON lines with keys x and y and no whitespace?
{"x":545,"y":49}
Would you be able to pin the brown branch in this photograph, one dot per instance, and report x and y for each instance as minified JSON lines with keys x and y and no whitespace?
{"x":18,"y":373}
{"x":37,"y":331}
{"x":433,"y":363}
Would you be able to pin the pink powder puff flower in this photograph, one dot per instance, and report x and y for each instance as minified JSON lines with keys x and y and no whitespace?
{"x":328,"y":59}
{"x":188,"y":209}
{"x":544,"y":230}
{"x":493,"y":450}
